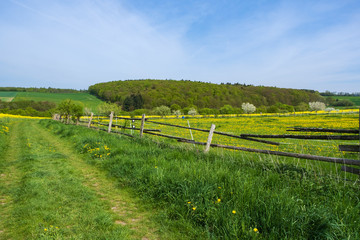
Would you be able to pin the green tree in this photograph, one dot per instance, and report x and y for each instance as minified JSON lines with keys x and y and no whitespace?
{"x":162,"y":110}
{"x":106,"y":108}
{"x":68,"y":108}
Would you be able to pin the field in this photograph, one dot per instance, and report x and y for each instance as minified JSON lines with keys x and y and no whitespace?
{"x":354,"y":99}
{"x":182,"y":193}
{"x":86,"y":99}
{"x":7,"y":96}
{"x":262,"y":125}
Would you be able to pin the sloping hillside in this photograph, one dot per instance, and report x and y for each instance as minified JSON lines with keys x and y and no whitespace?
{"x":203,"y":95}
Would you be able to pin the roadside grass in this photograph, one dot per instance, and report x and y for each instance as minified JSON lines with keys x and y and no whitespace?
{"x":224,"y":194}
{"x":86,"y":99}
{"x":47,"y":198}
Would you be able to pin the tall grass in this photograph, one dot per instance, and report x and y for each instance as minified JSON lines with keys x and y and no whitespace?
{"x":226,"y":195}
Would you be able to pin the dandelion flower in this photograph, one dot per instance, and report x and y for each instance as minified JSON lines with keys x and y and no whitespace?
{"x":194,"y":208}
{"x":256,"y":230}
{"x":188,"y":202}
{"x":219,"y":200}
{"x":233,"y":211}
{"x":45,"y":229}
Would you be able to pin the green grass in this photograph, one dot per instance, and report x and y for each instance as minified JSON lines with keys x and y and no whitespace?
{"x":224,"y":194}
{"x":86,"y":99}
{"x":47,"y":196}
{"x":7,"y":96}
{"x":354,"y":99}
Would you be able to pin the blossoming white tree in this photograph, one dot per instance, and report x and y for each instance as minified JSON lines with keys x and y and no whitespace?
{"x":192,"y":112}
{"x":248,"y":107}
{"x":317,"y":106}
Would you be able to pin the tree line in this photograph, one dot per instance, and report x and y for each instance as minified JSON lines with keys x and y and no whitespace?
{"x":206,"y":98}
{"x":41,"y":90}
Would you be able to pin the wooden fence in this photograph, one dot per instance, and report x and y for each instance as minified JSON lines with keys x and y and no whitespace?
{"x":249,"y":137}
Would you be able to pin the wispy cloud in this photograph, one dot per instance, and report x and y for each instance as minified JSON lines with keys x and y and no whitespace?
{"x":303,"y":44}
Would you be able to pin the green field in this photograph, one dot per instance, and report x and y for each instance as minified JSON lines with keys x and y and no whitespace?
{"x":354,"y":99}
{"x":88,"y":101}
{"x":7,"y":96}
{"x":68,"y":182}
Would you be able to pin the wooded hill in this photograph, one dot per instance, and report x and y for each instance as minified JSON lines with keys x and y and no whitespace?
{"x":153,"y":93}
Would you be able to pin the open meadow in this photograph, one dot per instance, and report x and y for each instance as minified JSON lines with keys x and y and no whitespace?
{"x":85,"y":99}
{"x":187,"y":194}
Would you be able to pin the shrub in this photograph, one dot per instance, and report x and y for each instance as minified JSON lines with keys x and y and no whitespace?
{"x":317,"y":106}
{"x":192,"y":112}
{"x":248,"y":107}
{"x":162,"y":110}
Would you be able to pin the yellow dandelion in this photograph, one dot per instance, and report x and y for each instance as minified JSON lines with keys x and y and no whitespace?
{"x":45,"y":229}
{"x":189,"y":202}
{"x":194,"y":208}
{"x":256,"y":230}
{"x":219,"y":200}
{"x":233,"y":211}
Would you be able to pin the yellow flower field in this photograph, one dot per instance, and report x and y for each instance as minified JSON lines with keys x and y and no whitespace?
{"x":256,"y":124}
{"x":3,"y":115}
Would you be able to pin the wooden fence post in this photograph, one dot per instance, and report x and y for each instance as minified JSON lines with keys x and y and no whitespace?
{"x":91,"y":116}
{"x":207,"y":148}
{"x":142,"y":125}
{"x":110,"y":122}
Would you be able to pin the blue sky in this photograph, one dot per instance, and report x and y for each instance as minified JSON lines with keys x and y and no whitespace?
{"x":303,"y":44}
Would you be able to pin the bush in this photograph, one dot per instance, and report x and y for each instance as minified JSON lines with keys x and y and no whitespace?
{"x":343,"y":103}
{"x":162,"y":110}
{"x":248,"y":107}
{"x":317,"y":106}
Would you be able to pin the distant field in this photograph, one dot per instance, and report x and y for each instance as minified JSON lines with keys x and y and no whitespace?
{"x":86,"y":99}
{"x":7,"y":96}
{"x":354,"y":99}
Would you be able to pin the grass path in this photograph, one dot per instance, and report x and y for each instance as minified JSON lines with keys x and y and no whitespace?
{"x":48,"y":191}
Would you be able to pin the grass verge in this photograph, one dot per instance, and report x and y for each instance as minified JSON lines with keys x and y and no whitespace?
{"x":230,"y":196}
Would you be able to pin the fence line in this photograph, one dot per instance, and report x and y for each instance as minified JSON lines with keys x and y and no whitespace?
{"x":249,"y":137}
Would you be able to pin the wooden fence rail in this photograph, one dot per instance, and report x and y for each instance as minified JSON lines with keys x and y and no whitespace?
{"x":253,"y":137}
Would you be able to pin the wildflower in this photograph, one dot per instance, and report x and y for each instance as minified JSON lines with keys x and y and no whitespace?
{"x":219,"y":187}
{"x":189,"y":202}
{"x":256,"y":230}
{"x":45,"y":229}
{"x":233,"y":211}
{"x":155,"y":166}
{"x":194,"y":208}
{"x":219,"y":200}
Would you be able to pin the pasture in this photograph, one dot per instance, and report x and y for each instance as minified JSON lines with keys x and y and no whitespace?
{"x":354,"y":99}
{"x":7,"y":96}
{"x":187,"y":194}
{"x":87,"y":100}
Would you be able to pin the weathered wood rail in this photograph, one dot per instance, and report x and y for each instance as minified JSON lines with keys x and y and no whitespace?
{"x":252,"y":137}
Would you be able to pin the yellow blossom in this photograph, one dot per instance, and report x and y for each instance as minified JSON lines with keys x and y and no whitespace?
{"x":233,"y":211}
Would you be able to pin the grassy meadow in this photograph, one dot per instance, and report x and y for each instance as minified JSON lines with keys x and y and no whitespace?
{"x":219,"y":195}
{"x":354,"y":99}
{"x":89,"y":101}
{"x":223,"y":194}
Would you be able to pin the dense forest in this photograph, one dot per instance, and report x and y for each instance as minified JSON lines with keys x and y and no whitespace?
{"x":148,"y":94}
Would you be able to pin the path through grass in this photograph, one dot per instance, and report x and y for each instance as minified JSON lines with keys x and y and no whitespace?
{"x":47,"y":191}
